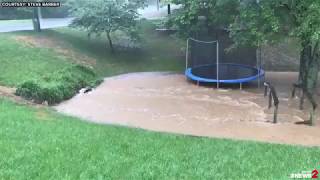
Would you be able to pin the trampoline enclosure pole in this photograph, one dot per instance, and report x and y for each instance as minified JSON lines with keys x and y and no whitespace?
{"x":259,"y":66}
{"x":187,"y":54}
{"x":217,"y":64}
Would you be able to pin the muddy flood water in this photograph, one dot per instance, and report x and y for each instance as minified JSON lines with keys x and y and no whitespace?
{"x":167,"y":102}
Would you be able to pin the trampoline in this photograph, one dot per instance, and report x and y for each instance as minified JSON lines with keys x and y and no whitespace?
{"x":228,"y":73}
{"x":204,"y":64}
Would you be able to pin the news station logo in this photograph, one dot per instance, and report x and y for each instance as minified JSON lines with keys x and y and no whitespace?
{"x":29,"y":4}
{"x":305,"y":175}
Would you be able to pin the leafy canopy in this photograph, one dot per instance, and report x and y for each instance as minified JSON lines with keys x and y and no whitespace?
{"x":216,"y":12}
{"x":267,"y":21}
{"x":107,"y":16}
{"x":263,"y":21}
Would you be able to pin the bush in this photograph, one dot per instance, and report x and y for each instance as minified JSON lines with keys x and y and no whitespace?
{"x":58,"y":86}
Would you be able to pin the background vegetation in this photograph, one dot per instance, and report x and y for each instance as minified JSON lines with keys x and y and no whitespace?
{"x":48,"y":72}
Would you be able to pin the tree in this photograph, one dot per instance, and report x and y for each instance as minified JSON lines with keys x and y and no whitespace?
{"x":259,"y":22}
{"x":215,"y":12}
{"x":107,"y":16}
{"x":268,"y":21}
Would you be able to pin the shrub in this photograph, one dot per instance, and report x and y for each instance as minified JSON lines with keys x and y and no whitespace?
{"x":58,"y":86}
{"x":28,"y":89}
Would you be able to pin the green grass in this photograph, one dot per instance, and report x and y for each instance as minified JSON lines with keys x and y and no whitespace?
{"x":57,"y":49}
{"x":40,"y":144}
{"x":59,"y":86}
{"x":157,"y":53}
{"x":21,"y":62}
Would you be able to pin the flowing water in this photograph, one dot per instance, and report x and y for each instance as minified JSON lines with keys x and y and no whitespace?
{"x":168,"y":102}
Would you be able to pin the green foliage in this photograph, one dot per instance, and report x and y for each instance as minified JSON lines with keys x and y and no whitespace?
{"x":107,"y":16}
{"x":268,"y":20}
{"x":260,"y":21}
{"x":58,"y":86}
{"x":216,"y":13}
{"x":255,"y":25}
{"x":265,"y":21}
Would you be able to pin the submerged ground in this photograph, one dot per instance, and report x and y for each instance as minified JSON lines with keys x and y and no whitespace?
{"x":169,"y":103}
{"x":38,"y":143}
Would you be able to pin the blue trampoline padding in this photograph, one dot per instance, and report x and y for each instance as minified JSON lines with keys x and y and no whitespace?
{"x":256,"y":73}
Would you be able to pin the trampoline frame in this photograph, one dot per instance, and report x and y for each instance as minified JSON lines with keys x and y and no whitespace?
{"x":198,"y":79}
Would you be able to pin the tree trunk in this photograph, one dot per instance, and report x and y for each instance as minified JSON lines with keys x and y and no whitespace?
{"x":311,"y":85}
{"x":36,"y":20}
{"x":305,"y":55}
{"x":309,"y":76}
{"x":110,"y":42}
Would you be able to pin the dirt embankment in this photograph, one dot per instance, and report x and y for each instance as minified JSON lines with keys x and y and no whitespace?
{"x":60,"y":48}
{"x":9,"y":93}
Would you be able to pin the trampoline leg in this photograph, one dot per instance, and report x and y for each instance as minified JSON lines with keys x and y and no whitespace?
{"x":198,"y":83}
{"x":240,"y":86}
{"x":275,"y":115}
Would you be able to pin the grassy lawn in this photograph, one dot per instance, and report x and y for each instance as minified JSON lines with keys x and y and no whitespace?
{"x":21,"y":62}
{"x":29,"y":60}
{"x":157,"y":52}
{"x":40,"y":144}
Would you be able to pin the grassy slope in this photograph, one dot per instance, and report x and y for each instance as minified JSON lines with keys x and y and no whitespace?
{"x":20,"y":62}
{"x":40,"y":144}
{"x":157,"y":53}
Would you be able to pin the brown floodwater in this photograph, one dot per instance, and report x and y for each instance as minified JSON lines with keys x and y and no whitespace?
{"x":167,"y":102}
